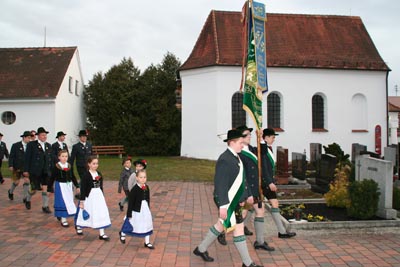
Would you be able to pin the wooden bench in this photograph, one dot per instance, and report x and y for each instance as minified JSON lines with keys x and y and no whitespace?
{"x":109,"y":150}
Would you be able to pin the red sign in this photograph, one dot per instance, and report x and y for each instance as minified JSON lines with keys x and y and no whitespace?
{"x":378,"y":139}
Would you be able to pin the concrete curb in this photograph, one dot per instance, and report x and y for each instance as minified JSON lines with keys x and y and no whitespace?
{"x":338,"y":225}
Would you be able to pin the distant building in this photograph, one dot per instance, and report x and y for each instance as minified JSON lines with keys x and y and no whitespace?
{"x":41,"y":87}
{"x":327,"y":83}
{"x":394,"y":119}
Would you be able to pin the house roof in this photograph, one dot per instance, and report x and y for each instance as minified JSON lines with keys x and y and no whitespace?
{"x":394,"y":103}
{"x":292,"y":40}
{"x":33,"y":72}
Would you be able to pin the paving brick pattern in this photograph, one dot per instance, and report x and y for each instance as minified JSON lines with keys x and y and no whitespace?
{"x":183,"y":213}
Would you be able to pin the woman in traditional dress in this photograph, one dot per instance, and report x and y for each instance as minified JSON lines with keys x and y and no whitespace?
{"x":92,"y":208}
{"x":138,"y":221}
{"x":64,"y":205}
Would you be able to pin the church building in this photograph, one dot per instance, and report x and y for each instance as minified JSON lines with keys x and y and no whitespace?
{"x":326,"y":83}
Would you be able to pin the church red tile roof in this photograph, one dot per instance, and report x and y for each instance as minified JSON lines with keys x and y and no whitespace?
{"x":292,"y":40}
{"x":33,"y":72}
{"x":394,"y":103}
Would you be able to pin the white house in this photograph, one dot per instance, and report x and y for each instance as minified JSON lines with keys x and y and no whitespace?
{"x":327,"y":83}
{"x":41,"y":87}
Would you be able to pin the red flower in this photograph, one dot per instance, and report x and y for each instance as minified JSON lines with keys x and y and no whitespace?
{"x":65,"y":169}
{"x":97,"y":177}
{"x":144,"y":187}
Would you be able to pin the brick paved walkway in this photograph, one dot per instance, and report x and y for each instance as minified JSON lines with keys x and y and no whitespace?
{"x":182,"y":212}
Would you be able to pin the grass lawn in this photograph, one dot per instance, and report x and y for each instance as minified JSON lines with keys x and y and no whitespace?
{"x":158,"y":168}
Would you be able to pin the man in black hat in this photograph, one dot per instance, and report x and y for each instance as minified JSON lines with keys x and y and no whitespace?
{"x":230,"y":194}
{"x":268,"y":180}
{"x":81,"y":151}
{"x":37,"y":167}
{"x":3,"y":152}
{"x":59,"y":145}
{"x":16,"y":165}
{"x":248,"y":155}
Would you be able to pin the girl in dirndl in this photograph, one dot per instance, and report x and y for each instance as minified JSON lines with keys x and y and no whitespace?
{"x":138,"y":221}
{"x":92,"y":202}
{"x":62,"y":174}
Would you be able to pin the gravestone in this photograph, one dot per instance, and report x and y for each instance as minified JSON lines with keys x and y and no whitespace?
{"x":282,"y":165}
{"x":389,"y":154}
{"x":356,"y":149}
{"x":315,"y":155}
{"x":299,"y":165}
{"x":381,"y":171}
{"x":326,"y":173}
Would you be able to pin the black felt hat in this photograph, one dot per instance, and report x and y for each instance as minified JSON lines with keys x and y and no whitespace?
{"x":41,"y":130}
{"x":26,"y":133}
{"x":244,"y":128}
{"x":234,"y":134}
{"x":269,"y":132}
{"x":82,"y":133}
{"x":142,"y":162}
{"x":60,"y":134}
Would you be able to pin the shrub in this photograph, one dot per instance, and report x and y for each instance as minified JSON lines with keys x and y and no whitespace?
{"x":364,"y":197}
{"x":336,"y":150}
{"x":338,"y":195}
{"x":396,"y":198}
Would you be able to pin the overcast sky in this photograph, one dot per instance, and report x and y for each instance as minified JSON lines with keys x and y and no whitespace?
{"x":105,"y":31}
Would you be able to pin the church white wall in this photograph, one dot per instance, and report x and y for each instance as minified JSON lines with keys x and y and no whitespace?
{"x":297,"y":86}
{"x":213,"y":88}
{"x":69,"y":111}
{"x":30,"y":114}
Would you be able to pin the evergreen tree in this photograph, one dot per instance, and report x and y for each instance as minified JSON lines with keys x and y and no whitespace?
{"x":137,"y":111}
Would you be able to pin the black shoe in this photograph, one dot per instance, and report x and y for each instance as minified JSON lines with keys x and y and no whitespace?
{"x":149,"y":245}
{"x":221,"y":239}
{"x":64,"y":224}
{"x":121,"y":207}
{"x":2,"y":181}
{"x":247,"y":231}
{"x":78,"y":231}
{"x":120,"y":238}
{"x":287,"y":235}
{"x":46,"y":210}
{"x":28,"y":205}
{"x":252,"y":265}
{"x":10,"y":196}
{"x":203,"y":255}
{"x":263,"y":246}
{"x":104,"y":237}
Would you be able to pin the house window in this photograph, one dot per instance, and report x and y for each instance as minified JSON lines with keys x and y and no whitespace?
{"x":318,"y":113}
{"x":70,"y":85}
{"x":8,"y":117}
{"x":274,"y":111}
{"x":77,"y":88}
{"x":238,"y":113}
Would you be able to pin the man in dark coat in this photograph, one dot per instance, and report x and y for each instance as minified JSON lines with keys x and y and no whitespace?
{"x":37,"y":166}
{"x":16,"y":165}
{"x":248,"y":155}
{"x":230,"y":194}
{"x":3,"y":152}
{"x":80,"y":153}
{"x":59,"y":145}
{"x":268,"y":180}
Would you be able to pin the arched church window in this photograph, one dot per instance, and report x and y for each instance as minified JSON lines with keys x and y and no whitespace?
{"x":238,"y":113}
{"x":318,"y":111}
{"x":274,"y":110}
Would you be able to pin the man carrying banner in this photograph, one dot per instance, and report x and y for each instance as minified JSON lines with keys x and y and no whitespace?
{"x":230,"y":194}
